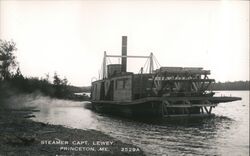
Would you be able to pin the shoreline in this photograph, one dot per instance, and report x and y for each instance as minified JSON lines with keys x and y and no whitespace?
{"x":21,"y":136}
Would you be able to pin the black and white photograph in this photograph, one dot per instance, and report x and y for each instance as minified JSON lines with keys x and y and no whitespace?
{"x":124,"y":77}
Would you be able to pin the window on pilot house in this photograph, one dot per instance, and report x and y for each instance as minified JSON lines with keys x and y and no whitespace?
{"x":95,"y":89}
{"x":121,"y":84}
{"x":125,"y":84}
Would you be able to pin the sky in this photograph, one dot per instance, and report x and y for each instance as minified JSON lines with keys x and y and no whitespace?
{"x":70,"y":37}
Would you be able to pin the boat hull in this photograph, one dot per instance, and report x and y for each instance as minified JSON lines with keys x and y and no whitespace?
{"x":152,"y":107}
{"x":147,"y":109}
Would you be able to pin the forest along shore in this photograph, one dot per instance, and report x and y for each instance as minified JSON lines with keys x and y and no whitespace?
{"x":21,"y":136}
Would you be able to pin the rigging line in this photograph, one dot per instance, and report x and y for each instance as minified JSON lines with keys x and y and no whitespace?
{"x":146,"y":65}
{"x":146,"y":62}
{"x":100,"y":73}
{"x":156,"y":61}
{"x":109,"y":61}
{"x":157,"y":66}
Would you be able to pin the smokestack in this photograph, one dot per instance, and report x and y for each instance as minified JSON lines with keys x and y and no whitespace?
{"x":124,"y":53}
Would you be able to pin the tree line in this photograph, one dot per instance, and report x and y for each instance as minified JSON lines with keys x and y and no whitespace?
{"x":12,"y":81}
{"x":236,"y":85}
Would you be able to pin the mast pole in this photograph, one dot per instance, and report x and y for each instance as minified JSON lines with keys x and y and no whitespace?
{"x":124,"y":53}
{"x":151,"y":67}
{"x":104,"y":66}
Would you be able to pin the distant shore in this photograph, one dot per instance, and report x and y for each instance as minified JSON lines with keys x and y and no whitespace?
{"x":236,"y":85}
{"x":21,"y":136}
{"x":218,"y":86}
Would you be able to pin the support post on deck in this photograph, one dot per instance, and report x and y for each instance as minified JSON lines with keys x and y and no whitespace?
{"x":104,"y":66}
{"x":151,"y":66}
{"x":202,"y":111}
{"x":210,"y":109}
{"x":206,"y":109}
{"x":124,"y":53}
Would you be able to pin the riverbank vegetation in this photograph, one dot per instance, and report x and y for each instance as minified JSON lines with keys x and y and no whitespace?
{"x":13,"y":82}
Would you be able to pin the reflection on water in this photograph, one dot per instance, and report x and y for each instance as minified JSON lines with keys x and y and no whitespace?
{"x":226,"y":133}
{"x":76,"y":117}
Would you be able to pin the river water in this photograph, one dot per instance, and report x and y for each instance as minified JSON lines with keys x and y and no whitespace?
{"x":226,"y":133}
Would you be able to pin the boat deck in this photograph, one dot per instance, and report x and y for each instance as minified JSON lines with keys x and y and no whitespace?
{"x":186,"y":101}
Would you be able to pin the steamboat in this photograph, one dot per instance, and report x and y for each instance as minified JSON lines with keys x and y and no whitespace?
{"x":155,"y":92}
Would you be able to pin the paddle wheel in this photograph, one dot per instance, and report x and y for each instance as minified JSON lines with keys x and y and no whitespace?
{"x":184,"y":84}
